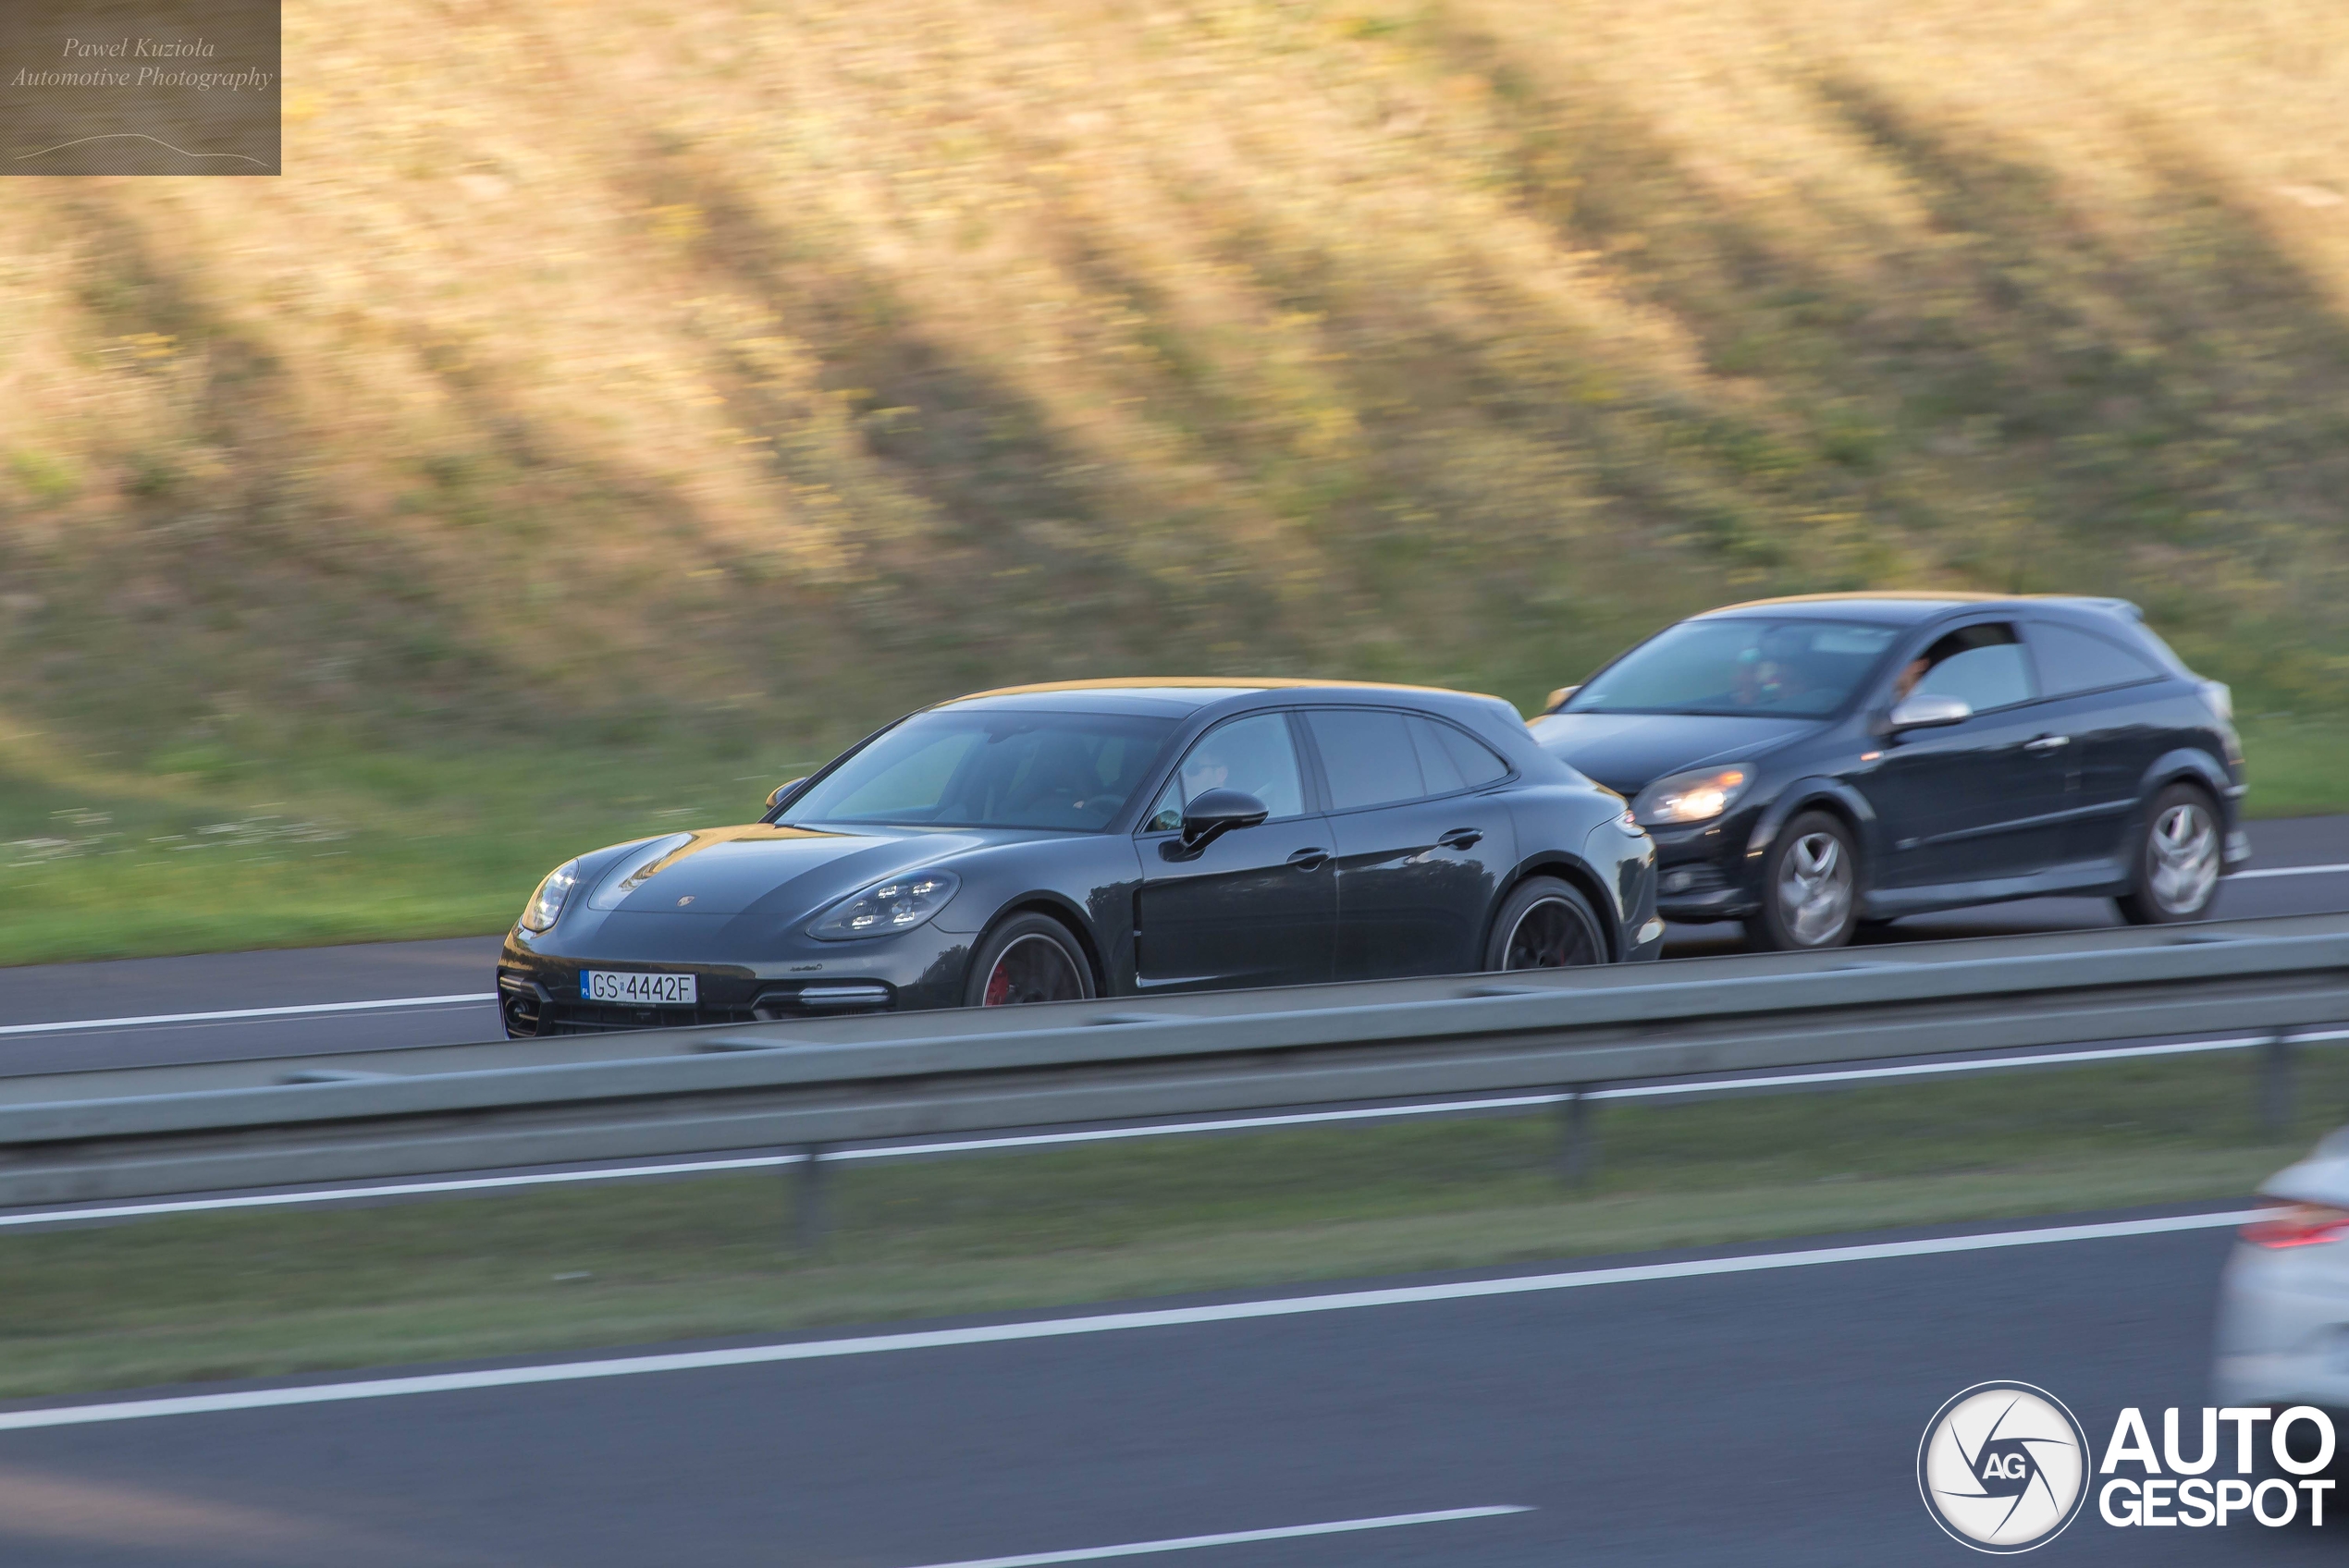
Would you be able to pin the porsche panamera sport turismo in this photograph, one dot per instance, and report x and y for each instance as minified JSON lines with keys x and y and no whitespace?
{"x":1104,"y":839}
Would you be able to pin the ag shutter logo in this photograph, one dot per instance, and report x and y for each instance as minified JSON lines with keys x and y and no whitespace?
{"x":2003,"y":1467}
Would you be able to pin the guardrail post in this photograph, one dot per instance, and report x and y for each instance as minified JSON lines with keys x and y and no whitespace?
{"x":2275,"y":1084}
{"x":809,"y":1220}
{"x":1578,"y":1144}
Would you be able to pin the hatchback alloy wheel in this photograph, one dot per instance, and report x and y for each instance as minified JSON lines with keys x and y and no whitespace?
{"x":2183,"y":859}
{"x":1815,"y":888}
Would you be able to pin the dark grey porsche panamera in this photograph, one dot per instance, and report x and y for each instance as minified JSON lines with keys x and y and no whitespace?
{"x":1104,"y":839}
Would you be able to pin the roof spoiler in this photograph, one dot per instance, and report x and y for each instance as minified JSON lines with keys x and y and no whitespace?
{"x":2118,"y":606}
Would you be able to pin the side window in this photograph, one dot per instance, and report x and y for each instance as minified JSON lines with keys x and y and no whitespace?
{"x":1437,"y":769}
{"x":2073,"y":661}
{"x":1369,"y":757}
{"x":1254,"y":754}
{"x":1477,"y":764}
{"x":1983,"y":664}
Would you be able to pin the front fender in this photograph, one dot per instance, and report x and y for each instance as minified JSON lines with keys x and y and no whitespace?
{"x":1806,"y":792}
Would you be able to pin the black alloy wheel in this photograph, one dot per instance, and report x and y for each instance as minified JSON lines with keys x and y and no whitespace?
{"x":1029,"y":958}
{"x":1545,"y":923}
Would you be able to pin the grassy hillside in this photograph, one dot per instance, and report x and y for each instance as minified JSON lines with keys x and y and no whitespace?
{"x":617,"y":404}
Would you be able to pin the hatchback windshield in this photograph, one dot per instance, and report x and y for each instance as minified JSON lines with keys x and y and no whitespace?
{"x":1739,"y":666}
{"x":992,"y":769}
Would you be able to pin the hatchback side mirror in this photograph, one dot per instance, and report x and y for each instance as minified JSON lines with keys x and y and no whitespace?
{"x":1925,"y":712}
{"x":1216,"y":813}
{"x":1558,"y":698}
{"x":783,"y":794}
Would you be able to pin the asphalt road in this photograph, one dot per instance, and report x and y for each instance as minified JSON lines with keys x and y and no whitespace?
{"x":34,"y":1000}
{"x":1746,"y":1420}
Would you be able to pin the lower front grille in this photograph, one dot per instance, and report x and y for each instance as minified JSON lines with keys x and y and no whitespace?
{"x":595,"y":1018}
{"x":1681,"y":881}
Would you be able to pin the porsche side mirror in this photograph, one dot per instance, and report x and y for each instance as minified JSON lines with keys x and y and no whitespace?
{"x":1216,"y":813}
{"x":1558,"y":698}
{"x":1925,"y":712}
{"x":782,"y":795}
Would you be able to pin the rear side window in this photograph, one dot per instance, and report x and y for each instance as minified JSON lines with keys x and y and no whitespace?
{"x":2073,"y":660}
{"x":1368,"y":755}
{"x":1473,"y":762}
{"x":1377,"y":758}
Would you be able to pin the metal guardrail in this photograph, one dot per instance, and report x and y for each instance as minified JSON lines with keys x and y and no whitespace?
{"x":147,"y":1131}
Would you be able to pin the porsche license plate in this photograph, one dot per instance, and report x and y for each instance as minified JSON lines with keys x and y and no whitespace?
{"x":664,"y":991}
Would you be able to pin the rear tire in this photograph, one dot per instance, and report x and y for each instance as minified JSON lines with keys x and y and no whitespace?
{"x":2178,"y":859}
{"x":1545,"y":923}
{"x":1029,"y":958}
{"x":1810,"y":887}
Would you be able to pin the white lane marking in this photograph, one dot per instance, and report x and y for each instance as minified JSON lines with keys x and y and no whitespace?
{"x":2287,"y":871}
{"x":1099,"y":1134}
{"x":397,"y":1189}
{"x":1234,"y":1537}
{"x":1913,"y":1069}
{"x":1099,"y":1323}
{"x":73,"y":1024}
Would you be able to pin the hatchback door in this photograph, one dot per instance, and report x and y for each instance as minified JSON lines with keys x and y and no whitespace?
{"x":1259,"y":905}
{"x":1423,"y":843}
{"x":1981,"y":800}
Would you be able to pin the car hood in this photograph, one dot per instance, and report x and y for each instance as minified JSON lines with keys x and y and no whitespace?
{"x":1627,"y":752}
{"x":789,"y":871}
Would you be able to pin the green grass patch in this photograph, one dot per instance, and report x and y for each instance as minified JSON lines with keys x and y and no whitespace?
{"x":253,"y":1295}
{"x":2297,"y":766}
{"x":352,"y":846}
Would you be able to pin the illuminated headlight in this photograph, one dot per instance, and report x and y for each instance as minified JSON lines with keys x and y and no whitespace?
{"x":1692,"y":797}
{"x":547,"y":905}
{"x":899,"y":904}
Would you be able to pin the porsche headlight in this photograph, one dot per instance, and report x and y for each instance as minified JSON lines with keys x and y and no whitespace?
{"x":1697,"y":796}
{"x":547,"y":905}
{"x":899,"y":904}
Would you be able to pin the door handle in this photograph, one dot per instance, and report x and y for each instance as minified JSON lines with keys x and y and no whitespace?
{"x":2047,"y":743}
{"x":1461,"y":837}
{"x":1308,"y":860}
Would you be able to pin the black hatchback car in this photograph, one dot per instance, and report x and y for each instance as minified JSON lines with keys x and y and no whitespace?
{"x":1110,"y":837}
{"x":1811,"y":766}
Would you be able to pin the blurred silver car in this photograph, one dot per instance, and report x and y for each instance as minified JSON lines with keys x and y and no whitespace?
{"x":2283,"y":1301}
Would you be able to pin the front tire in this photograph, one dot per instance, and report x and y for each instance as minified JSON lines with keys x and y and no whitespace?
{"x":1810,"y":887}
{"x":1545,"y":924}
{"x":2177,"y":871}
{"x":1029,"y":958}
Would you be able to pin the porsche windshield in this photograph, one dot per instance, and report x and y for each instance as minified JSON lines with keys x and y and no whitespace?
{"x":992,"y":769}
{"x":1739,"y":666}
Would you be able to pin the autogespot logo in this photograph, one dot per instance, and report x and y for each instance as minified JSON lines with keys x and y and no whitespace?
{"x":2003,"y":1467}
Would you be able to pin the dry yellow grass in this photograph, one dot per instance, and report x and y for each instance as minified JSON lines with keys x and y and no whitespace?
{"x":733,"y":373}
